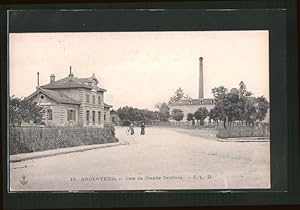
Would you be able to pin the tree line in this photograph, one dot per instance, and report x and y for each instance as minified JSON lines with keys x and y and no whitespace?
{"x":130,"y":114}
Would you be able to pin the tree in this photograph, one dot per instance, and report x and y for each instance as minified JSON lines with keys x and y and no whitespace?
{"x":229,"y":107}
{"x":187,"y":97}
{"x":262,"y":107}
{"x":201,"y":114}
{"x":233,"y":106}
{"x":22,"y":110}
{"x":250,"y":112}
{"x":190,"y":116}
{"x":179,"y":94}
{"x":218,"y":92}
{"x":243,"y":90}
{"x":246,"y":104}
{"x":215,"y":115}
{"x":163,"y":111}
{"x":148,"y":115}
{"x":177,"y":114}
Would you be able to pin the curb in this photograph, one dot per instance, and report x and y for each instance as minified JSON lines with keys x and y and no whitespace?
{"x":243,"y":140}
{"x":60,"y":151}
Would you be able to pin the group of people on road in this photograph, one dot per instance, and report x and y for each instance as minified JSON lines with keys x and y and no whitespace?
{"x":131,"y":129}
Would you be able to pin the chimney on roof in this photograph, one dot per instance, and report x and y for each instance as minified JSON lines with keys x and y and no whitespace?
{"x":71,"y":74}
{"x":52,"y":78}
{"x":201,"y":89}
{"x":38,"y":80}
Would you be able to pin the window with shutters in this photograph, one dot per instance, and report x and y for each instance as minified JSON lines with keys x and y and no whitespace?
{"x":71,"y":115}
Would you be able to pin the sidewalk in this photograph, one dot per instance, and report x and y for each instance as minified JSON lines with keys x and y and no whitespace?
{"x":33,"y":155}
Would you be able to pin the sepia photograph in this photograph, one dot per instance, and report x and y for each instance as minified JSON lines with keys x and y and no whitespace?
{"x":151,"y":111}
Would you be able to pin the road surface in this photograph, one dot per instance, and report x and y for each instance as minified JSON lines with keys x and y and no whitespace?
{"x":163,"y":159}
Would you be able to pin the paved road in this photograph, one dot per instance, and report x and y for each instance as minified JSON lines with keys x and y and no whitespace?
{"x":163,"y":159}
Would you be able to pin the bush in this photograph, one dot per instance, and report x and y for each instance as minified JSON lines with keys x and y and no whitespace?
{"x":125,"y":122}
{"x":244,"y":131}
{"x":31,"y":139}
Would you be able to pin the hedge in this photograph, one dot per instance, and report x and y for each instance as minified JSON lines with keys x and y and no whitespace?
{"x":244,"y":131}
{"x":31,"y":139}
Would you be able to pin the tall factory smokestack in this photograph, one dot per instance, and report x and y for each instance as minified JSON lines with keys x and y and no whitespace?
{"x":201,"y":94}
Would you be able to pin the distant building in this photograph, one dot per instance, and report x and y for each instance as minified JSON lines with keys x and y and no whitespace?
{"x":73,"y":101}
{"x":192,"y":105}
{"x":115,"y":119}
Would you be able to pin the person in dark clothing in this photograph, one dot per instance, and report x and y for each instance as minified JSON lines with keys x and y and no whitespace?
{"x":143,"y":129}
{"x":131,"y":129}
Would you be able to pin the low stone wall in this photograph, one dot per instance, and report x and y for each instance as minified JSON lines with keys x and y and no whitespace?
{"x":31,"y":139}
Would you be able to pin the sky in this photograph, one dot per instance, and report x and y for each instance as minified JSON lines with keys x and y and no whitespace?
{"x":141,"y":69}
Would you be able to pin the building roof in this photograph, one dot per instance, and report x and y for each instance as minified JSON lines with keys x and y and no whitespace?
{"x":74,"y":82}
{"x":87,"y":80}
{"x":54,"y":95}
{"x":202,"y":101}
{"x":113,"y":112}
{"x":107,"y":105}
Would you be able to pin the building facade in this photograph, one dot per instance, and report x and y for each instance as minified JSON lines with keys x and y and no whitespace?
{"x":192,"y":105}
{"x":73,"y":101}
{"x":115,"y":119}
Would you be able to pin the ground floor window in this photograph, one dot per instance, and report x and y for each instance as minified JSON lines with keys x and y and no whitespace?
{"x":71,"y":115}
{"x":99,"y":118}
{"x":87,"y":117}
{"x":94,"y":117}
{"x":49,"y":114}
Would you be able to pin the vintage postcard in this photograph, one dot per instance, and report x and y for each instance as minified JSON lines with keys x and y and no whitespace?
{"x":172,"y":110}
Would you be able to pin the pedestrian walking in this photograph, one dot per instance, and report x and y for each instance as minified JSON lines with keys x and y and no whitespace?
{"x":143,"y":129}
{"x":131,"y":129}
